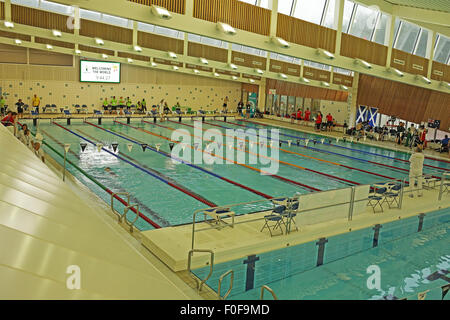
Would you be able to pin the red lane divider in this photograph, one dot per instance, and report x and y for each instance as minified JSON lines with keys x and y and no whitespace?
{"x":173,"y":185}
{"x":326,"y":161}
{"x":194,"y":166}
{"x":402,"y":160}
{"x":257,"y":154}
{"x":154,"y":224}
{"x":241,"y":164}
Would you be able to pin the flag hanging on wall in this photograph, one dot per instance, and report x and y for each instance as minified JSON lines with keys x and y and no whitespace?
{"x":372,"y":116}
{"x":361,"y":114}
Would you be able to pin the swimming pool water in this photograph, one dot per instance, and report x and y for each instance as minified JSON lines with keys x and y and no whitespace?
{"x":408,"y":261}
{"x":167,"y":205}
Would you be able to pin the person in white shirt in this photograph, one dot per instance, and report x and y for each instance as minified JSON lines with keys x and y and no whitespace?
{"x":415,"y":171}
{"x":38,"y":150}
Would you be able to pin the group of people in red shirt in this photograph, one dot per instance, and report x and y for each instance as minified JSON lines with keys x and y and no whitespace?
{"x":318,"y":121}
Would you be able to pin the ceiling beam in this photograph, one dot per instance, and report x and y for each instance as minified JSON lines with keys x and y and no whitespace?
{"x":138,"y":12}
{"x":423,"y":15}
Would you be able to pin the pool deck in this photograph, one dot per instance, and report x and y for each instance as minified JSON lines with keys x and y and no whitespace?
{"x":171,"y":245}
{"x":46,"y":227}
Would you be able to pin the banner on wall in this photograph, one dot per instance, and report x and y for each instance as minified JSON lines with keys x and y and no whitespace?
{"x":372,"y":116}
{"x":361,"y":114}
{"x":253,"y":99}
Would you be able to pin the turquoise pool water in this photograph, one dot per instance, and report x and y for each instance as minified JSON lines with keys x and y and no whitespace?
{"x":145,"y":174}
{"x":409,"y":262}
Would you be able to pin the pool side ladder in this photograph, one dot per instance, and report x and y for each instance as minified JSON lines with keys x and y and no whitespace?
{"x":263,"y":288}
{"x":125,"y":210}
{"x":211,"y":265}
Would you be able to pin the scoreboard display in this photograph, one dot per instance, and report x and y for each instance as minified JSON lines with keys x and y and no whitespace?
{"x":99,"y":71}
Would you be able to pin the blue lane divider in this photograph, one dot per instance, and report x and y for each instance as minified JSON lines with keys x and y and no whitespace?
{"x":115,"y":155}
{"x":184,"y":162}
{"x":342,"y":147}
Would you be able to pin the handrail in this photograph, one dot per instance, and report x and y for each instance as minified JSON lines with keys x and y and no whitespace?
{"x":401,"y":181}
{"x":220,"y":284}
{"x":125,"y":211}
{"x":444,"y":178}
{"x":264,"y":287}
{"x":211,"y":265}
{"x":112,"y":202}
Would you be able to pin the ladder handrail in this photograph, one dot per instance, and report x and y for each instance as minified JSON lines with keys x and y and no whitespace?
{"x":125,"y":211}
{"x":112,"y":202}
{"x":220,"y":284}
{"x":211,"y":265}
{"x":264,"y":287}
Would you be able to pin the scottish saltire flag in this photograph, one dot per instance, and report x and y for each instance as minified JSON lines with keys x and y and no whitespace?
{"x":372,"y":116}
{"x":361,"y":114}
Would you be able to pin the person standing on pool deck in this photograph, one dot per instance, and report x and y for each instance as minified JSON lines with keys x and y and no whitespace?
{"x":113,"y":104}
{"x":36,"y":102}
{"x":128,"y":103}
{"x":2,"y":105}
{"x":121,"y":104}
{"x":318,"y":121}
{"x":307,"y":115}
{"x":415,"y":171}
{"x":329,"y":122}
{"x":105,"y":104}
{"x":19,"y":105}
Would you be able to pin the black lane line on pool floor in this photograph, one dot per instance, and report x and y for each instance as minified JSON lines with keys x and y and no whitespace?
{"x":162,"y":175}
{"x":163,"y":222}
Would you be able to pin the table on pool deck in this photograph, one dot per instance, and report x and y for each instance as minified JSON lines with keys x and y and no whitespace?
{"x":172,"y":244}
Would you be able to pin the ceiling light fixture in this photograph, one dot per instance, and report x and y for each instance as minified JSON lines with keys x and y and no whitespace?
{"x":226,"y":28}
{"x":161,"y":12}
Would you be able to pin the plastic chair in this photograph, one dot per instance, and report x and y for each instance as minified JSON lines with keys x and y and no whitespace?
{"x":47,"y":107}
{"x":67,"y":112}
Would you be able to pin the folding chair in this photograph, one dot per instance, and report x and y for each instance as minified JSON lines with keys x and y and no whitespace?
{"x":446,"y":183}
{"x":67,"y":113}
{"x":289,"y":214}
{"x":84,"y":108}
{"x":393,"y":195}
{"x":275,"y":220}
{"x":377,"y":198}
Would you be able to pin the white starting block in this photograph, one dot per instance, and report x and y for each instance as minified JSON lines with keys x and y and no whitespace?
{"x":428,"y":180}
{"x":217,"y":215}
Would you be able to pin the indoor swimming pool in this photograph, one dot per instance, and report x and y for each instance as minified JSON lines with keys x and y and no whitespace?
{"x":408,"y":262}
{"x":136,"y":158}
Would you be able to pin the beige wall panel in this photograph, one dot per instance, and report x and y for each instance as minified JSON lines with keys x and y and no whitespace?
{"x":60,"y":85}
{"x":12,"y":54}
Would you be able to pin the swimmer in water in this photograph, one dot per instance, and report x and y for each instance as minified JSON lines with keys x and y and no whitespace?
{"x":108,"y":169}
